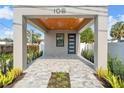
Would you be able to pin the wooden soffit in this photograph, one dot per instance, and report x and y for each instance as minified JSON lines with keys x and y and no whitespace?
{"x":61,"y":23}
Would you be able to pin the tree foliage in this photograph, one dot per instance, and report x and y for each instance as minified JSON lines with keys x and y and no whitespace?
{"x":117,"y":31}
{"x":36,"y":37}
{"x":6,"y":39}
{"x":87,"y":36}
{"x":33,"y":37}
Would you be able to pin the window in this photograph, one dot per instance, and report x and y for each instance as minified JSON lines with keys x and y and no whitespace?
{"x":60,"y":39}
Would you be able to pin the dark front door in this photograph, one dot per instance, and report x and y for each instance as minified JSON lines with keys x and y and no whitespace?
{"x":71,"y":43}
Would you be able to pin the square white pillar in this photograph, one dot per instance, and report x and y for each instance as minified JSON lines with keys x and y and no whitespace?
{"x":100,"y":46}
{"x":20,"y":42}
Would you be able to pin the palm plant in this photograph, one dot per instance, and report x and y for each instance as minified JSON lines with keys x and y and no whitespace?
{"x":36,"y":38}
{"x":6,"y":62}
{"x":10,"y":61}
{"x":3,"y":59}
{"x":117,"y":31}
{"x":29,"y":55}
{"x":116,"y":67}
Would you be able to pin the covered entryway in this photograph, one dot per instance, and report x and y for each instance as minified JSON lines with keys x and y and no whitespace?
{"x":61,"y":32}
{"x":49,"y":20}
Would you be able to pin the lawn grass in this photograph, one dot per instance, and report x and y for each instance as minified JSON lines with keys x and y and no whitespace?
{"x":59,"y":80}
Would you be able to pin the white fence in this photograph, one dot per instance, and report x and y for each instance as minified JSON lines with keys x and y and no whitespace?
{"x":84,"y":46}
{"x":116,"y":50}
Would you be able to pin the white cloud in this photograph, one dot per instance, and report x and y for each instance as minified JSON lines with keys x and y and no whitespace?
{"x":7,"y":33}
{"x":121,"y":17}
{"x":92,"y":27}
{"x":6,"y":13}
{"x":112,"y":21}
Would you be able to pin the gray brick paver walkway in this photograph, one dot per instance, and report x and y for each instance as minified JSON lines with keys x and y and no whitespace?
{"x":38,"y":74}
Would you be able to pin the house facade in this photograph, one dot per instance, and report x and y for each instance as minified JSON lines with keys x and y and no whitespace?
{"x":61,"y":26}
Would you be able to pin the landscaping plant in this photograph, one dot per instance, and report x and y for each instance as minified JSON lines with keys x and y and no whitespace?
{"x":9,"y":77}
{"x":6,"y":62}
{"x":117,"y":31}
{"x":59,"y":80}
{"x":88,"y":54}
{"x":29,"y":55}
{"x":113,"y":80}
{"x":116,"y":67}
{"x":33,"y":53}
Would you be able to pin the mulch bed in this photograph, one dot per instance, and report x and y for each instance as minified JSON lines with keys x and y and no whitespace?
{"x":103,"y":82}
{"x":15,"y":81}
{"x":59,"y":80}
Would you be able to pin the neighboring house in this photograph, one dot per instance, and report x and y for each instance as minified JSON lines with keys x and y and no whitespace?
{"x":6,"y":47}
{"x":61,"y":26}
{"x":5,"y":43}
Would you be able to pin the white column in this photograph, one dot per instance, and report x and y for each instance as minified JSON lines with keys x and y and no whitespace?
{"x":20,"y":41}
{"x":100,"y":46}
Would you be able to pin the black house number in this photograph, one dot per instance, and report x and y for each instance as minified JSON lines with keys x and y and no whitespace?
{"x":59,"y":11}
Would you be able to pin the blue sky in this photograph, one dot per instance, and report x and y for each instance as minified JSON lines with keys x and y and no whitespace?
{"x":116,"y":13}
{"x":116,"y":10}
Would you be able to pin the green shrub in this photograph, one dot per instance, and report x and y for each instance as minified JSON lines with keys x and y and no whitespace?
{"x":29,"y":55}
{"x":121,"y":83}
{"x":101,"y":73}
{"x":116,"y":67}
{"x":88,"y":54}
{"x":9,"y":77}
{"x":33,"y":53}
{"x":33,"y":47}
{"x":10,"y":61}
{"x":113,"y":80}
{"x":110,"y":64}
{"x":16,"y":72}
{"x":6,"y":62}
{"x":6,"y":79}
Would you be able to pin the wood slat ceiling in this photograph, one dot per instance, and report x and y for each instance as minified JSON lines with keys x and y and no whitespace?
{"x":61,"y":23}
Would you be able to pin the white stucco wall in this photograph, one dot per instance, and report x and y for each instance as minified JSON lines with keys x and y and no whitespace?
{"x":116,"y":50}
{"x":50,"y":43}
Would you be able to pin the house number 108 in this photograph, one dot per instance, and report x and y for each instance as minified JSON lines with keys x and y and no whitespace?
{"x":59,"y":11}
